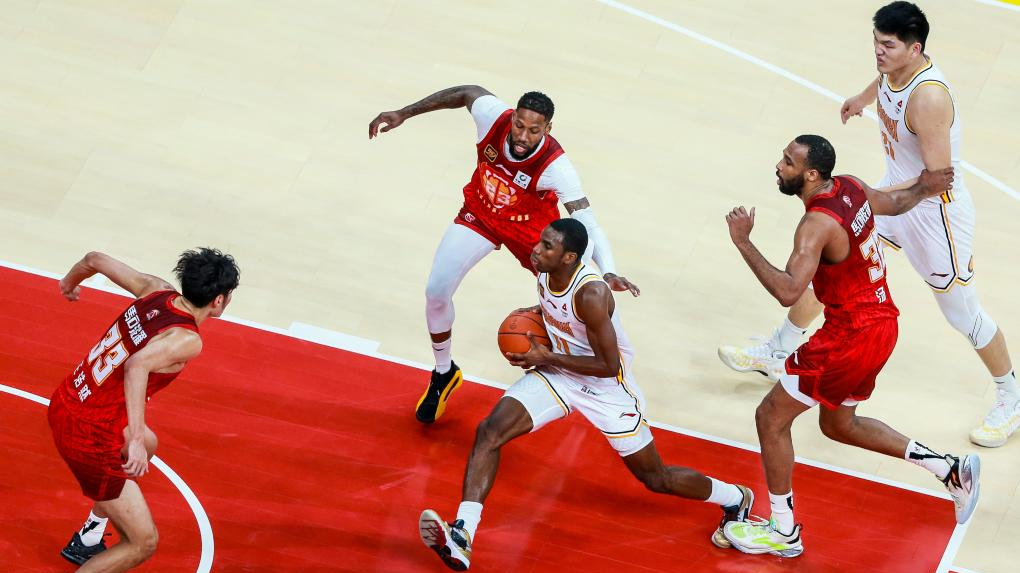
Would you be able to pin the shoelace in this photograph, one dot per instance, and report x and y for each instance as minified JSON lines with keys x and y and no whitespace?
{"x":762,"y":350}
{"x":998,"y":415}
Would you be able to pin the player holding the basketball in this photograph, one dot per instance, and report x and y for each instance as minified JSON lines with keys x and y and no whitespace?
{"x":920,"y":129}
{"x":97,"y":414}
{"x":835,"y":246}
{"x":521,"y":175}
{"x":590,"y":371}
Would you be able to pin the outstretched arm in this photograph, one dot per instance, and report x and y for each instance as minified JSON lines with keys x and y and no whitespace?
{"x":813,"y":233}
{"x":897,"y":200}
{"x":450,"y":98}
{"x":127,"y":278}
{"x":594,"y":303}
{"x":581,"y":210}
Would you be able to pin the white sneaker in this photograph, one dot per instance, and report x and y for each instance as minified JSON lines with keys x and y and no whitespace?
{"x":758,"y":538}
{"x":449,"y":540}
{"x":1000,"y":423}
{"x":763,"y":358}
{"x":964,"y":484}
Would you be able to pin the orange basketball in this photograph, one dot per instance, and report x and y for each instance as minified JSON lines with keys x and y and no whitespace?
{"x":513,"y":333}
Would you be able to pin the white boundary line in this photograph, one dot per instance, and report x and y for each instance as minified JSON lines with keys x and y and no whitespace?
{"x":951,"y":548}
{"x":204,"y":527}
{"x":786,"y":74}
{"x":1012,"y":7}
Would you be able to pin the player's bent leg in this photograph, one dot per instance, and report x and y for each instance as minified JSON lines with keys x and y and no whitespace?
{"x":452,"y":542}
{"x":139,"y":538}
{"x":963,"y":311}
{"x":845,"y":426}
{"x":768,"y":357}
{"x":459,"y":251}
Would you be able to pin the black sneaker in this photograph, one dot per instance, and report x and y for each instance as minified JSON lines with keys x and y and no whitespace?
{"x":432,"y":403}
{"x":450,"y":541}
{"x":78,"y":553}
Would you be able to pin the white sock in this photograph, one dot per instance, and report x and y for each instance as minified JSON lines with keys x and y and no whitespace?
{"x":471,"y":513}
{"x":782,"y":512}
{"x":922,"y":455}
{"x":724,"y":494}
{"x":787,"y":337}
{"x":1008,"y":383}
{"x":92,"y":531}
{"x":442,"y":352}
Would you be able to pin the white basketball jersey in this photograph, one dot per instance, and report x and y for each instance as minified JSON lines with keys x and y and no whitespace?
{"x":902,"y":147}
{"x":568,"y":334}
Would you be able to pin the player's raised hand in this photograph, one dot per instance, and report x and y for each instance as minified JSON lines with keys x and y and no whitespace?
{"x":70,"y":291}
{"x":621,"y":284}
{"x":391,"y":119}
{"x":852,"y":107}
{"x":535,"y":356}
{"x":936,"y":182}
{"x":740,"y":222}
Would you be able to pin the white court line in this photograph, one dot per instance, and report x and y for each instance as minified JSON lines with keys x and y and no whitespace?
{"x":786,"y":74}
{"x":951,"y":548}
{"x":1012,"y":7}
{"x":204,"y":527}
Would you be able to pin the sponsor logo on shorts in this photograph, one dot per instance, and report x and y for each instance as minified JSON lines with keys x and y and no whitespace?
{"x":627,"y":415}
{"x":469,"y":217}
{"x":490,"y":153}
{"x":940,"y":275}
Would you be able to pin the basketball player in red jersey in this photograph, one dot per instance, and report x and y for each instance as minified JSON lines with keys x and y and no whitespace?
{"x":97,"y":414}
{"x":836,"y":246}
{"x":521,"y":175}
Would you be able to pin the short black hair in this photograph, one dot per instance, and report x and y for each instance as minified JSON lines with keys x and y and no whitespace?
{"x":575,"y":236}
{"x":820,"y":155}
{"x":537,"y":102}
{"x":904,"y":20}
{"x":206,"y":273}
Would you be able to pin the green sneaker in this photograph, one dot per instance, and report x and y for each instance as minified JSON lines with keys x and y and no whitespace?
{"x":758,"y":538}
{"x":739,"y":512}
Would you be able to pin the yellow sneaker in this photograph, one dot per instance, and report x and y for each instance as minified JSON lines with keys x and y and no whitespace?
{"x":432,"y":403}
{"x":1000,"y":423}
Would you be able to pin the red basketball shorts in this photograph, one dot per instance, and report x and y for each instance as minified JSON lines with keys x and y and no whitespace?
{"x":839,"y":365}
{"x":519,"y":237}
{"x":92,"y":453}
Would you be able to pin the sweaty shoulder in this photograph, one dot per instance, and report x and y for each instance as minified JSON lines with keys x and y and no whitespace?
{"x":486,"y":110}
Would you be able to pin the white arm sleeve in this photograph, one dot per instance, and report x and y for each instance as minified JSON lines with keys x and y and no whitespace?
{"x":598,"y":243}
{"x":486,"y":110}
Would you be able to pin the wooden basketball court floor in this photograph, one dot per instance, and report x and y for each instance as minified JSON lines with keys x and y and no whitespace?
{"x":142,"y":129}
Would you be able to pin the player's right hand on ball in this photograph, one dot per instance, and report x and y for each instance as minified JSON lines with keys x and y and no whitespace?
{"x":535,"y":309}
{"x":70,"y":292}
{"x":392,"y":119}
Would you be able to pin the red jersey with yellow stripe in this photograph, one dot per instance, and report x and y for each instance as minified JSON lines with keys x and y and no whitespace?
{"x":504,"y":193}
{"x":853,"y":291}
{"x":95,"y":390}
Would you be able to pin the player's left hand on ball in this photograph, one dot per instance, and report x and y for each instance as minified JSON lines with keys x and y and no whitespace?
{"x":740,"y":222}
{"x":621,"y":284}
{"x":71,"y":293}
{"x":535,"y":356}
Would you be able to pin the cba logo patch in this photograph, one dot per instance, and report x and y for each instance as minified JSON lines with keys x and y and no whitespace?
{"x":522,"y":179}
{"x":490,"y":153}
{"x":847,"y":201}
{"x":151,"y":314}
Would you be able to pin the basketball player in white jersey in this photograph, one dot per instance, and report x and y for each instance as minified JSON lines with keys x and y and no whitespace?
{"x":920,"y":129}
{"x":506,"y":202}
{"x":587,"y":370}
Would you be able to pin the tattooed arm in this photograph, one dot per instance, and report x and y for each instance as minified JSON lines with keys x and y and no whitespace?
{"x":450,"y":98}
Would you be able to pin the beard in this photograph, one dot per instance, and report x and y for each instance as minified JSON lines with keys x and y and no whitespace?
{"x":791,"y":187}
{"x":514,"y":155}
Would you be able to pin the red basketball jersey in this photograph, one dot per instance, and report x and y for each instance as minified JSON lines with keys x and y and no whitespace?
{"x":854,"y":291}
{"x":95,"y":390}
{"x":505,"y":190}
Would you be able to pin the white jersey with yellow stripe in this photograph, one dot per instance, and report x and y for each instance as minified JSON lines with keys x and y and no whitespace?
{"x":903,"y":160}
{"x":568,"y":333}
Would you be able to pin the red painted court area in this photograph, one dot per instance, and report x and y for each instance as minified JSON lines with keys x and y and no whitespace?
{"x":308,"y":459}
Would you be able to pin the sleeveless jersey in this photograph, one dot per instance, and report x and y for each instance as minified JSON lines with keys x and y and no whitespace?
{"x":853,"y":291}
{"x":502,"y":190}
{"x":566,"y":331}
{"x":95,"y":390}
{"x":902,"y":146}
